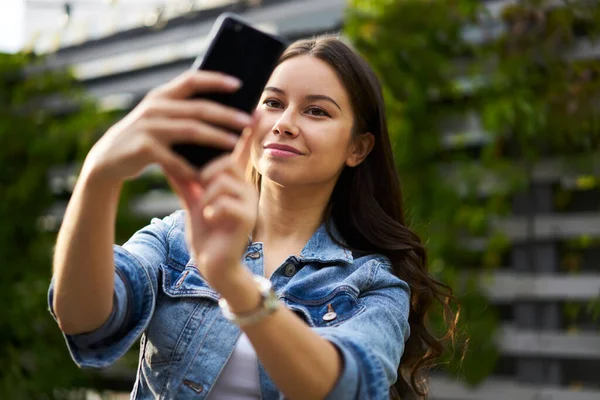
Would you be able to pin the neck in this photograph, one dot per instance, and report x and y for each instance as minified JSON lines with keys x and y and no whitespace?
{"x":289,"y":214}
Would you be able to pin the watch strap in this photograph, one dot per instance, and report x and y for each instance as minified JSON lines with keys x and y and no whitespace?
{"x":268,"y":305}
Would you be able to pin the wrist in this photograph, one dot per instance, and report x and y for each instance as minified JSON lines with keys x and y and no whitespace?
{"x":240,"y":291}
{"x":93,"y":174}
{"x":268,"y":304}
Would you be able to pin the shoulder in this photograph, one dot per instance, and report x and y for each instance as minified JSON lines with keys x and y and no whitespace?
{"x":172,"y":229}
{"x":378,"y":271}
{"x":171,"y":221}
{"x":170,"y":226}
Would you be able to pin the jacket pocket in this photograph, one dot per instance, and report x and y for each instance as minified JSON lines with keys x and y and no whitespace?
{"x":331,"y":310}
{"x":186,"y":283}
{"x":184,"y":301}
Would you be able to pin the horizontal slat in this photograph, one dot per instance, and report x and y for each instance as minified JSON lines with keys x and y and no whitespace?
{"x":584,"y":49}
{"x":552,"y":170}
{"x":550,"y":226}
{"x":156,"y":203}
{"x":568,"y":172}
{"x":511,"y":286}
{"x":512,"y":341}
{"x":496,"y":389}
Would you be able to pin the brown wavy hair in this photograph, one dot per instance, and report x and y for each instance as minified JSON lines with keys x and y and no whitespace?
{"x":366,"y":206}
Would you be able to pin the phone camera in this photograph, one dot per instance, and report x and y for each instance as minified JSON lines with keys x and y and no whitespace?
{"x":237,"y":27}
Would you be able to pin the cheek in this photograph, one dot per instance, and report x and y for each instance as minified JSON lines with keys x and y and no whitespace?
{"x":330,"y":140}
{"x":263,"y":128}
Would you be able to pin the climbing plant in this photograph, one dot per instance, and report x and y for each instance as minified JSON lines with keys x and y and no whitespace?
{"x":475,"y":100}
{"x":46,"y":123}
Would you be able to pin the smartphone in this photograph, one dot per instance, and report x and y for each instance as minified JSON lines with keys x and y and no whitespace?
{"x":240,"y":50}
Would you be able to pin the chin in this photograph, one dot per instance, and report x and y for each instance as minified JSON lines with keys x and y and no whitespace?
{"x":279,"y":174}
{"x":280,"y":179}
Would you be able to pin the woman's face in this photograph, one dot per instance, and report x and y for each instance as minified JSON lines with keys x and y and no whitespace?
{"x":304,"y":106}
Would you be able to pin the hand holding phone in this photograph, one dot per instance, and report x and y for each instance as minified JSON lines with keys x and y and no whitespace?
{"x":166,"y":116}
{"x":242,"y":51}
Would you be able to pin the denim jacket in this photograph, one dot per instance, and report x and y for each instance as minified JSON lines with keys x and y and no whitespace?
{"x":185,"y":341}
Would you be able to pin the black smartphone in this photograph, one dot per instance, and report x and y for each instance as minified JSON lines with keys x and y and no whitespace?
{"x":238,"y":49}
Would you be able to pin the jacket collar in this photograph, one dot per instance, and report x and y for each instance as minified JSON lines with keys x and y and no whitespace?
{"x":322,"y":248}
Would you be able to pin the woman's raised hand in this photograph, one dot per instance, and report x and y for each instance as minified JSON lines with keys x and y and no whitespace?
{"x":222,"y":208}
{"x":165,"y":116}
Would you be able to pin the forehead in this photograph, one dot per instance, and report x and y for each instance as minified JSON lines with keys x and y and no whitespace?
{"x":307,"y":75}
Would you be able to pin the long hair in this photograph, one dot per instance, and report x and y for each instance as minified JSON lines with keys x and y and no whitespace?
{"x":366,"y":206}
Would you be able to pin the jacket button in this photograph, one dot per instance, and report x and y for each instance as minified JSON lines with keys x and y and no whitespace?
{"x":254,"y":255}
{"x":290,"y":270}
{"x":330,"y":315}
{"x":196,"y":387}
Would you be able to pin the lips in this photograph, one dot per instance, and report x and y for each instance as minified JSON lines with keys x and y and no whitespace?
{"x":284,"y":147}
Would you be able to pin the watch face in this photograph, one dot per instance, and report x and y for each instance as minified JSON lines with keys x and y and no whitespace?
{"x":269,"y":303}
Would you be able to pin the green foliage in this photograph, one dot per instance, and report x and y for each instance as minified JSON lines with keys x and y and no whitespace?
{"x":34,"y":360}
{"x":533,"y":99}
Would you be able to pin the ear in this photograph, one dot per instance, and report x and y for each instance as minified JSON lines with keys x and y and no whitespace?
{"x":360,"y":148}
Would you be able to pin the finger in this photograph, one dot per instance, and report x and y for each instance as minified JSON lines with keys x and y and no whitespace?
{"x":178,"y":187}
{"x":177,"y":130}
{"x":196,"y":82}
{"x":224,"y":164}
{"x":204,"y":110}
{"x":176,"y":184}
{"x":224,"y":210}
{"x":226,"y":185}
{"x":241,"y":152}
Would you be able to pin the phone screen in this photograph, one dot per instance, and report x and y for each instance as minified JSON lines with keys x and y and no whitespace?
{"x":239,"y":50}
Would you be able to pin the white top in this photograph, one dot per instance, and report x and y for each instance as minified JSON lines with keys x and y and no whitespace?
{"x":239,"y":379}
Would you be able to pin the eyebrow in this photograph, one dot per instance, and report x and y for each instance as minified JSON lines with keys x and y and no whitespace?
{"x":308,"y":97}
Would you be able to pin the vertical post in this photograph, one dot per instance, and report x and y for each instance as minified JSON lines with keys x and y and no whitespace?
{"x":536,"y":256}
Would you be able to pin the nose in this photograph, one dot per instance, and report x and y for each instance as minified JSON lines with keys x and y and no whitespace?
{"x":286,"y":125}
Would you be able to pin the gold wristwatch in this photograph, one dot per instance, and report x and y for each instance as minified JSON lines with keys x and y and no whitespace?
{"x":268,"y":305}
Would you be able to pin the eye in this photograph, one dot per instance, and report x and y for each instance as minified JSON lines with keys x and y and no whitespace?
{"x":272,"y":103}
{"x":317,"y":112}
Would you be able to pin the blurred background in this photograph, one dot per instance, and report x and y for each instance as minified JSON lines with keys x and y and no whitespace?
{"x":494,"y":112}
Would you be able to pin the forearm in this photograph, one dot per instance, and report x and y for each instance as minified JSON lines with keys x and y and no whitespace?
{"x":301,"y":363}
{"x":83,"y":257}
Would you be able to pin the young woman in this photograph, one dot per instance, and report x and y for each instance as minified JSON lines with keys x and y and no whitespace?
{"x":295,"y":277}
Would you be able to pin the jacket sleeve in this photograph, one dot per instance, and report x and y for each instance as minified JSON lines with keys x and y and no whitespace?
{"x":371,"y":344}
{"x":136,"y":268}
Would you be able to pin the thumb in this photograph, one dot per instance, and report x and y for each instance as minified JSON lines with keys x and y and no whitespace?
{"x":241,"y":152}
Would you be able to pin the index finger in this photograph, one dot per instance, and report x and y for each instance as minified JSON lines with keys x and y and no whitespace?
{"x":196,"y":82}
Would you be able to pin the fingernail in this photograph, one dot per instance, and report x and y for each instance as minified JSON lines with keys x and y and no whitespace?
{"x":209,"y":211}
{"x":233,"y":82}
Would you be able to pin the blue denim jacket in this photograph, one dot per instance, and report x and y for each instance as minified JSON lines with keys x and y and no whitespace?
{"x":185,"y":340}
